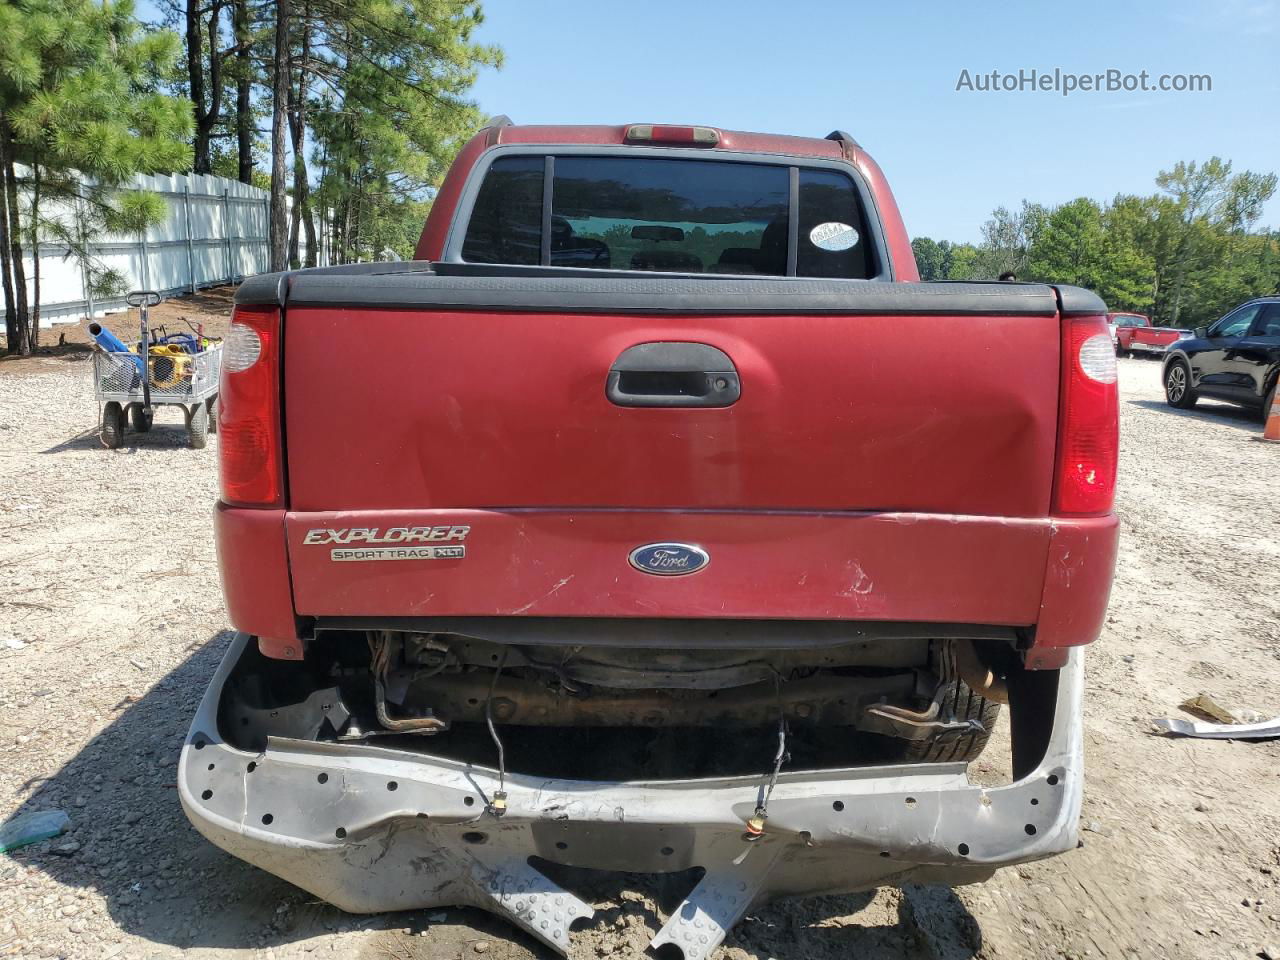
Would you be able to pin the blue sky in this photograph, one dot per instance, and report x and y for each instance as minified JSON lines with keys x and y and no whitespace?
{"x":887,"y":73}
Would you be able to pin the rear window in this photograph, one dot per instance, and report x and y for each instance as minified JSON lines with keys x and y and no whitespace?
{"x":506,"y":222}
{"x":829,"y":203}
{"x":1125,"y":320}
{"x":671,"y":216}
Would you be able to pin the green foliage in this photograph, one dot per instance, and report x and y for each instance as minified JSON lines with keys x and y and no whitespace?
{"x":1183,"y":256}
{"x":80,"y":92}
{"x":1070,"y":247}
{"x":226,"y":164}
{"x":134,"y":211}
{"x":92,"y":103}
{"x":388,"y":111}
{"x":1207,"y":259}
{"x":1007,"y":239}
{"x":931,"y":258}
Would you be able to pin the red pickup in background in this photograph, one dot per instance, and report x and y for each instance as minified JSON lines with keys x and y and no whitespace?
{"x":1133,"y":333}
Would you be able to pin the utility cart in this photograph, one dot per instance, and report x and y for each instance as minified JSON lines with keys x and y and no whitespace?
{"x":177,"y":371}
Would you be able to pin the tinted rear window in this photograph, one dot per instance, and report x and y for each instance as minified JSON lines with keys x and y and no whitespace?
{"x":679,"y":216}
{"x":670,"y":215}
{"x":506,"y":222}
{"x":833,"y":236}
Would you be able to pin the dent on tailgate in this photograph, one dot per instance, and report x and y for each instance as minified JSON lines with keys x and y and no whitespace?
{"x":894,"y":566}
{"x":475,"y":409}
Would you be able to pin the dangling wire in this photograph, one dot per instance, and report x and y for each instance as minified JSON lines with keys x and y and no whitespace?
{"x":499,"y":804}
{"x":778,"y":760}
{"x":755,"y":825}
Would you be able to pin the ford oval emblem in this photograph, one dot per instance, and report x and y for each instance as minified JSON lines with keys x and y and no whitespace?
{"x":669,"y":559}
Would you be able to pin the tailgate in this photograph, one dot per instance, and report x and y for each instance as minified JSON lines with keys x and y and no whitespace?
{"x":435,"y":407}
{"x":889,"y":456}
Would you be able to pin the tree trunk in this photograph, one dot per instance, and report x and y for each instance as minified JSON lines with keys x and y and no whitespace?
{"x":279,"y":133}
{"x":22,"y":317}
{"x":206,"y":116}
{"x":298,"y":129}
{"x":309,"y":228}
{"x":34,"y":334}
{"x":349,"y":223}
{"x":296,"y":138}
{"x":335,"y":234}
{"x":319,"y":223}
{"x":244,"y":90}
{"x":295,"y":224}
{"x":195,"y":81}
{"x":1179,"y":273}
{"x":6,"y":262}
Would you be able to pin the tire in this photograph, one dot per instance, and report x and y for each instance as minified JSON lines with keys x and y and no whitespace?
{"x":112,"y":433}
{"x":212,"y":404}
{"x":1178,"y":391}
{"x":959,"y":702}
{"x":141,"y":422}
{"x":198,"y":427}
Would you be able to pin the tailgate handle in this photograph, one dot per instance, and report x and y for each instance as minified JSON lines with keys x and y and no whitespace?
{"x":673,"y":374}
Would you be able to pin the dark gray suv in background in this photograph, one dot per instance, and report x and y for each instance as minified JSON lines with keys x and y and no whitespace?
{"x":1235,"y":359}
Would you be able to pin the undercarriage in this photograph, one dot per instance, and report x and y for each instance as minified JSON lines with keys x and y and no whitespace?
{"x":396,"y":767}
{"x":669,"y":711}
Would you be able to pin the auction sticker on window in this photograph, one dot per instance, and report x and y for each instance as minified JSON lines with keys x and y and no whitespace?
{"x":833,"y":236}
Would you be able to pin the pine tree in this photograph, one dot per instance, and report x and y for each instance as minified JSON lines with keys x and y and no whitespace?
{"x":78,"y":92}
{"x":385,"y":82}
{"x":278,"y":241}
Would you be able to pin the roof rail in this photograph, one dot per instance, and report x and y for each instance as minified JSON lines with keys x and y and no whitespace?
{"x":492,"y":128}
{"x":847,"y":143}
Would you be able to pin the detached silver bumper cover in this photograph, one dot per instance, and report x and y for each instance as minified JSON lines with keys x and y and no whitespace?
{"x":371,"y":829}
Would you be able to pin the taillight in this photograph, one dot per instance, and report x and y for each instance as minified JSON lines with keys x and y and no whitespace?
{"x":1089,"y":419}
{"x":249,"y":448}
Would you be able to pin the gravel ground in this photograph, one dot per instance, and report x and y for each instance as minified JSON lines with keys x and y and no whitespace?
{"x":111,"y":624}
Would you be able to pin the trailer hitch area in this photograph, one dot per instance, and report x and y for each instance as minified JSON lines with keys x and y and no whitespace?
{"x":933,"y":721}
{"x":913,"y":725}
{"x":384,"y":648}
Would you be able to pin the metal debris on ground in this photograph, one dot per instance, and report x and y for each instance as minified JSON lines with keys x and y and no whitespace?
{"x":1204,"y":706}
{"x":1177,"y":727}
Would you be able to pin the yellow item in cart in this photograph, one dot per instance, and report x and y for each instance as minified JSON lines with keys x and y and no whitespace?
{"x":169,"y":366}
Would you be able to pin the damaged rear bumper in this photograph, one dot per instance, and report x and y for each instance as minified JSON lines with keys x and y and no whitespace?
{"x":372,"y":829}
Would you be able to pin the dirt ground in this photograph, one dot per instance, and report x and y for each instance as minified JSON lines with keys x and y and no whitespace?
{"x":209,"y":310}
{"x":111,"y":624}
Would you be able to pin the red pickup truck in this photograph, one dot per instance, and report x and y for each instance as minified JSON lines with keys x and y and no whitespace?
{"x":618,"y":531}
{"x":1133,"y":333}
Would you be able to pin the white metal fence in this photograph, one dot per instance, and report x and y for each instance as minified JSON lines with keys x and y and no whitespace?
{"x":215,"y":232}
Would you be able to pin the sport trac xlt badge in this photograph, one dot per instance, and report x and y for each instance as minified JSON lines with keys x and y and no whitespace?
{"x":357,"y":544}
